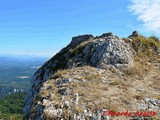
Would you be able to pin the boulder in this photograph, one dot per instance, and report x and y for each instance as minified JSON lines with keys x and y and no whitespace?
{"x":134,"y":34}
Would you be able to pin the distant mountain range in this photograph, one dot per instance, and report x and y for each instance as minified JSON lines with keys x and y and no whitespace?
{"x":11,"y":60}
{"x":16,"y":72}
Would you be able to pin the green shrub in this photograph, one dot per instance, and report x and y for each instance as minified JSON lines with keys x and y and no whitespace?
{"x":11,"y":106}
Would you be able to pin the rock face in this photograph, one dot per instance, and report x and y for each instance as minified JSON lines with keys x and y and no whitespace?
{"x":111,"y":50}
{"x":107,"y":51}
{"x":79,"y":39}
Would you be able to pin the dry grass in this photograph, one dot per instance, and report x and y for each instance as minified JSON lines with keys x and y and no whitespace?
{"x":95,"y":89}
{"x":157,"y":97}
{"x":115,"y":82}
{"x":148,"y":46}
{"x":59,"y":73}
{"x":140,"y":66}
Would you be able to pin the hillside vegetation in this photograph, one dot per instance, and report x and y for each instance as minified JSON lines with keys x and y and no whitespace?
{"x":11,"y":106}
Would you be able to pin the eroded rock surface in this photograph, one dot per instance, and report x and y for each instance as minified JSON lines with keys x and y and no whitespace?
{"x":89,"y":68}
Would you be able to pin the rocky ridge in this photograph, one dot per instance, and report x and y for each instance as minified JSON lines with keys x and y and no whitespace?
{"x":79,"y":79}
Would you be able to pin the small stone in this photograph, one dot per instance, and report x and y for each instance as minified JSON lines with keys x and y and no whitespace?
{"x":76,"y":98}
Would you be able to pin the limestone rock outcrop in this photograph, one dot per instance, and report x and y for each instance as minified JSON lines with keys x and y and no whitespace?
{"x":57,"y":93}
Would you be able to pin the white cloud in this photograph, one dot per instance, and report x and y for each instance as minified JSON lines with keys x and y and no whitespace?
{"x":148,"y":11}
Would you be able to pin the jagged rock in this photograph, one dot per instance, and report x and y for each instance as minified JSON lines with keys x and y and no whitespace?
{"x":150,"y":104}
{"x":111,"y":51}
{"x":152,"y":101}
{"x":107,"y":51}
{"x":79,"y":39}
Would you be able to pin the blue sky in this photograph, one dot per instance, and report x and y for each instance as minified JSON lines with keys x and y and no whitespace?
{"x":43,"y":27}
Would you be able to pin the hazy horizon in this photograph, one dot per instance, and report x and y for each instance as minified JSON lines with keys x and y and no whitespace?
{"x":25,"y":55}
